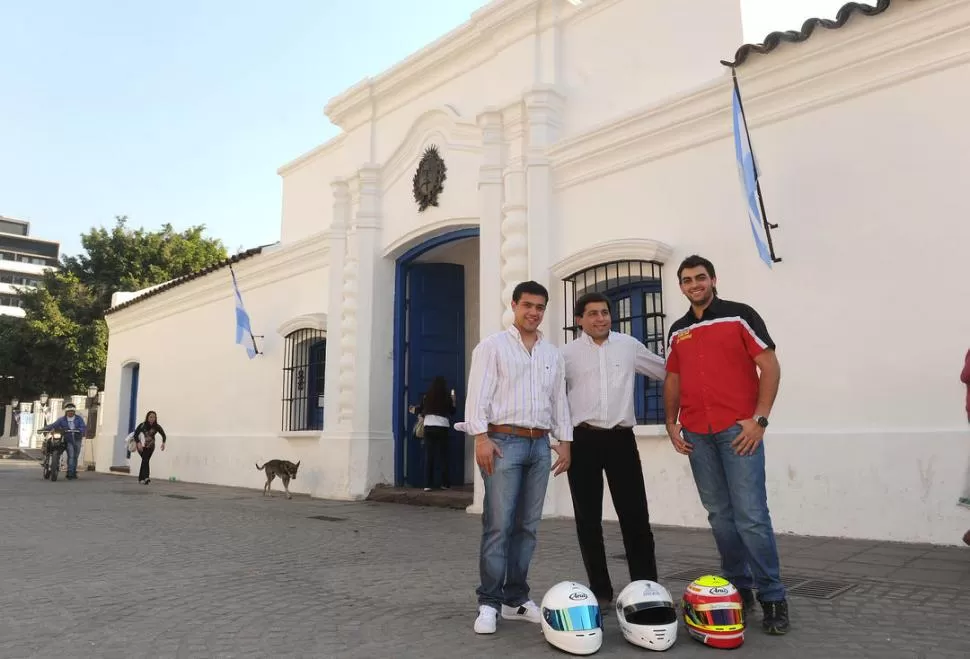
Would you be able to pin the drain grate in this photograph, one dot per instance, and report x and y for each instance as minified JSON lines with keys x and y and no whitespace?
{"x":797,"y":585}
{"x":132,"y":492}
{"x":178,"y":496}
{"x":821,"y":589}
{"x":328,"y":518}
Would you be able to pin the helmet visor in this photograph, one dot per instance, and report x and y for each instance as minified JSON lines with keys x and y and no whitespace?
{"x":715,"y":615}
{"x":574,"y":619}
{"x":650,"y":613}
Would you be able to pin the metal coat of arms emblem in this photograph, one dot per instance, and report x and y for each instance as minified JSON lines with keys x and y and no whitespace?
{"x":430,"y":178}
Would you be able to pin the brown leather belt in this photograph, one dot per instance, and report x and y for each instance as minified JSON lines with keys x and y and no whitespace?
{"x":519,"y":431}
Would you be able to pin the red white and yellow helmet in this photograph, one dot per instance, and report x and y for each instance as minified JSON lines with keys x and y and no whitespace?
{"x":714,"y":613}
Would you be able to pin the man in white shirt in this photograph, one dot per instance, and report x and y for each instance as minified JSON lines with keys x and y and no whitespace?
{"x":516,"y":398}
{"x":600,"y":369}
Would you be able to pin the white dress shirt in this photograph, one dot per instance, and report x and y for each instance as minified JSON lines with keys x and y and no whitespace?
{"x":508,"y":385}
{"x":599,"y":378}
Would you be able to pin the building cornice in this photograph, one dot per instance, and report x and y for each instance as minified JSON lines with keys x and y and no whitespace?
{"x":916,"y":39}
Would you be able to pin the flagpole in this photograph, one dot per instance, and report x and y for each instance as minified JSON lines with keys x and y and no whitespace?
{"x":757,"y":177}
{"x":251,"y":336}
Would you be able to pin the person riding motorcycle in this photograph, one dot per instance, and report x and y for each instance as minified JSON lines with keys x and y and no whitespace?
{"x":73,"y":428}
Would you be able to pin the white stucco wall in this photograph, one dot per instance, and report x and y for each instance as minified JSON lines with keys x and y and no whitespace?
{"x":868,"y":436}
{"x":222,"y":411}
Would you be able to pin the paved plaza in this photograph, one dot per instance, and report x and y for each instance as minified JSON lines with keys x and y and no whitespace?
{"x":105,"y":567}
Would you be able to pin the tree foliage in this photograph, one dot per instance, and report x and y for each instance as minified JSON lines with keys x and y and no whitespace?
{"x":61,"y":346}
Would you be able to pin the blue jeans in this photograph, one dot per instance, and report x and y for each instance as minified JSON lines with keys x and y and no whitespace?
{"x":732,"y":490}
{"x":73,"y":452}
{"x":514,"y":495}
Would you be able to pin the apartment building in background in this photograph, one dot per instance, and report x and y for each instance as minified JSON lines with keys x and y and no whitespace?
{"x":23,"y":261}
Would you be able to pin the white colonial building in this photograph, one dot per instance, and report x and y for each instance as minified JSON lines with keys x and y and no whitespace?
{"x":589,"y":146}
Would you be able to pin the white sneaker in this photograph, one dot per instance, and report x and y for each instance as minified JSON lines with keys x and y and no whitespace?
{"x":527,"y":611}
{"x":486,"y":621}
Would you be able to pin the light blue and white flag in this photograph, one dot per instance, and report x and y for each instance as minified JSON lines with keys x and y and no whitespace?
{"x":748,"y":171}
{"x":244,"y":333}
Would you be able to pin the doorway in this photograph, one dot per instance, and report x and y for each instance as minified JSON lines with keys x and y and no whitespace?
{"x":433,"y":288}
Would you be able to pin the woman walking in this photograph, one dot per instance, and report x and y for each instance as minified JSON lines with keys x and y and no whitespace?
{"x":437,"y":406}
{"x":145,"y":443}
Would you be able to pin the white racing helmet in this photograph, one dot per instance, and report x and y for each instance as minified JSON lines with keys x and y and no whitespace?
{"x":571,"y":618}
{"x":647,"y":615}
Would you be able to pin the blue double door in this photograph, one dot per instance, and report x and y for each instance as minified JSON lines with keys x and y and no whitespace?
{"x":434,"y":345}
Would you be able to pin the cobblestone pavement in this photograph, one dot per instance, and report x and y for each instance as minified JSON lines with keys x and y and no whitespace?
{"x":105,"y":567}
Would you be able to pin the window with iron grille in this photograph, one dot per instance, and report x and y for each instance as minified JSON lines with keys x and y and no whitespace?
{"x":635,"y":291}
{"x":304,"y":372}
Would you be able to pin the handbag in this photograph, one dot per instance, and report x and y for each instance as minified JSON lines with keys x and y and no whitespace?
{"x":132,"y":445}
{"x":419,"y":427}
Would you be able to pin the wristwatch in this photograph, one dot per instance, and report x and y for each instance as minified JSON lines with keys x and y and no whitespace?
{"x":762,"y":421}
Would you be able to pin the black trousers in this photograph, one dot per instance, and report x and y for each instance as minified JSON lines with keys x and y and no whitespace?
{"x":436,"y":456}
{"x":615,"y":453}
{"x":146,"y":457}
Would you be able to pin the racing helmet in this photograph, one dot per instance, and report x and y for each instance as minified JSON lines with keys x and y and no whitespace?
{"x":713,"y":612}
{"x":647,"y":615}
{"x":571,"y":618}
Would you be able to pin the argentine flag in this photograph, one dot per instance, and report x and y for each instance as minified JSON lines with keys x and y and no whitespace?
{"x":749,"y":180}
{"x":244,"y":333}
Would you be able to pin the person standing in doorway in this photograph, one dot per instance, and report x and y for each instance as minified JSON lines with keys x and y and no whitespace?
{"x":600,"y":369}
{"x":145,"y":444}
{"x":437,"y":406}
{"x":714,"y":354}
{"x":516,"y":398}
{"x":73,"y":428}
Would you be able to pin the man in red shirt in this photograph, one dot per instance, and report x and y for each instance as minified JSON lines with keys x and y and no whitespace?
{"x":713,"y":357}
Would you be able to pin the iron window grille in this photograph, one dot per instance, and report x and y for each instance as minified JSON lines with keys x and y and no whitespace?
{"x":635,"y":291}
{"x":304,"y":373}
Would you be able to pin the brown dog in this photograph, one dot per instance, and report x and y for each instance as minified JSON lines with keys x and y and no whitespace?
{"x":282,"y":468}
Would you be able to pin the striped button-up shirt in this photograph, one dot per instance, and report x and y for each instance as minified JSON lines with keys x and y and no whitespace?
{"x":508,"y":385}
{"x":599,"y":378}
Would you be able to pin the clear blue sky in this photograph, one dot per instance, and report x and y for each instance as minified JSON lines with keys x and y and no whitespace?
{"x":181,"y":111}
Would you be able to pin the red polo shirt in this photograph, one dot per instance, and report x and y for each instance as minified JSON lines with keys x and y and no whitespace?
{"x":714,"y":355}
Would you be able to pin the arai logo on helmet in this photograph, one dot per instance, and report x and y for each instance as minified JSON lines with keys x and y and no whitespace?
{"x":578,"y":595}
{"x":720,"y":590}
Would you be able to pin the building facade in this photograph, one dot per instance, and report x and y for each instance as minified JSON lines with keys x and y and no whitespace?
{"x":520,"y":147}
{"x":23,"y":262}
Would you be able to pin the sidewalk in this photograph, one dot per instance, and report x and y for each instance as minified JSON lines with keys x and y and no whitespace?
{"x":105,"y":567}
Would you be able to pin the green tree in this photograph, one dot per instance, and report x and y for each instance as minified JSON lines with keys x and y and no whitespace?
{"x":62,"y":344}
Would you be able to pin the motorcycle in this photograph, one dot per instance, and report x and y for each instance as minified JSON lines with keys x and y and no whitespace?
{"x":54,"y":446}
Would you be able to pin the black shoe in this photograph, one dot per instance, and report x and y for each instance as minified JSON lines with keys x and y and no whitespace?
{"x":747,"y":600}
{"x":606,"y":605}
{"x":775,"y":617}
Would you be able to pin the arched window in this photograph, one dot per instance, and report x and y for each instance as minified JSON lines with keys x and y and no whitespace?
{"x":635,"y":291}
{"x":304,"y":373}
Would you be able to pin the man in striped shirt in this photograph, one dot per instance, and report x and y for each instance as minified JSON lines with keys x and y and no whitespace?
{"x":600,"y":369}
{"x":516,"y":398}
{"x":715,"y":353}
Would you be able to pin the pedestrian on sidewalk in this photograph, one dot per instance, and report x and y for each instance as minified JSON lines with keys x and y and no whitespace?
{"x":516,"y":398}
{"x":437,"y":406}
{"x":145,"y":444}
{"x":73,"y":428}
{"x":600,"y":369}
{"x":717,"y":411}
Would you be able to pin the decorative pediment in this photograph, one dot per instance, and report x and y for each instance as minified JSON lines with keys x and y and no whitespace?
{"x":316,"y":321}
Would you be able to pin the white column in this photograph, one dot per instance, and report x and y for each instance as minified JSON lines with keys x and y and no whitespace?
{"x":543,"y":105}
{"x":515,"y":228}
{"x":337,"y":237}
{"x":364,"y":255}
{"x":490,"y":194}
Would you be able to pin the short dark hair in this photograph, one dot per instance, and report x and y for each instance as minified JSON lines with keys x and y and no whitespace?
{"x":589,"y":298}
{"x":532,"y":288}
{"x":695,"y":261}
